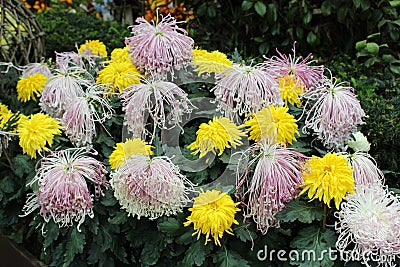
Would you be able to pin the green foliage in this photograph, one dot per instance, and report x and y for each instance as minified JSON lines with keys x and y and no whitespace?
{"x":301,"y":211}
{"x":315,"y":244}
{"x":256,"y":27}
{"x":64,"y":30}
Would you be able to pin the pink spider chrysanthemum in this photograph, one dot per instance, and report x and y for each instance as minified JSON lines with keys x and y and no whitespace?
{"x":243,"y":90}
{"x":63,"y":194}
{"x":335,"y":113}
{"x":158,"y":48}
{"x":150,"y":188}
{"x":267,"y":181}
{"x":365,"y":171}
{"x":152,"y":98}
{"x":33,"y":68}
{"x":283,"y":65}
{"x":81,"y":115}
{"x":59,"y":92}
{"x":369,"y":226}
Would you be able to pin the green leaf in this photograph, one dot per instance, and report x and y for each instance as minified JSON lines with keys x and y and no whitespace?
{"x":75,"y":244}
{"x":23,"y":165}
{"x":229,"y":258}
{"x":395,"y":3}
{"x":246,"y":5}
{"x":388,"y":58}
{"x":356,"y":3}
{"x":365,"y":4}
{"x":244,"y":234}
{"x":170,"y":226}
{"x":272,"y":13}
{"x":260,"y":8}
{"x":300,"y":210}
{"x":373,"y":48}
{"x":120,"y":218}
{"x":396,"y":22}
{"x":312,"y":38}
{"x":377,"y":34}
{"x":361,"y":45}
{"x":326,"y":8}
{"x":196,"y":254}
{"x":264,"y":48}
{"x":211,"y":11}
{"x":313,"y":245}
{"x":307,"y":18}
{"x":7,"y":185}
{"x":152,"y":249}
{"x":52,"y":232}
{"x":395,"y":68}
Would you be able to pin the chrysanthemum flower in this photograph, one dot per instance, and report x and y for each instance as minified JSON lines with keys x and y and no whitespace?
{"x":5,"y":116}
{"x":59,"y":92}
{"x":291,"y":89}
{"x":122,"y":151}
{"x":36,"y":131}
{"x":261,"y":125}
{"x":365,"y":171}
{"x":210,"y":62}
{"x":63,"y":193}
{"x":358,"y":142}
{"x":274,"y":123}
{"x":213,"y":214}
{"x":31,"y":87}
{"x":153,"y":98}
{"x":93,"y":47}
{"x":80,"y":117}
{"x":268,"y":177}
{"x":243,"y":90}
{"x":150,"y":188}
{"x":335,"y":113}
{"x":119,"y":75}
{"x":217,"y":134}
{"x":158,"y":48}
{"x":327,"y":178}
{"x":33,"y":68}
{"x":120,"y":55}
{"x":369,"y":226}
{"x":284,"y":65}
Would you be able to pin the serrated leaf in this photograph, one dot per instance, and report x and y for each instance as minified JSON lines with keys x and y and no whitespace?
{"x":152,"y":249}
{"x":196,"y":254}
{"x":52,"y":232}
{"x":120,"y":218}
{"x":313,"y":245}
{"x":170,"y":226}
{"x":76,"y":242}
{"x":244,"y":234}
{"x":23,"y":165}
{"x":300,"y":210}
{"x":7,"y":185}
{"x":229,"y":258}
{"x":260,"y":8}
{"x":246,"y":5}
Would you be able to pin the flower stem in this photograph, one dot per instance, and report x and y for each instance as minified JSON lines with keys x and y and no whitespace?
{"x":325,"y":215}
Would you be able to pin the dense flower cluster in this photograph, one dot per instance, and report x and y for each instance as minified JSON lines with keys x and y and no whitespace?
{"x":295,"y":133}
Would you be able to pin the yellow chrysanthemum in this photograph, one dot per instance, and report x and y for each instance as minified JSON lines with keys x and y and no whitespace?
{"x":94,"y":47}
{"x":213,"y":213}
{"x":328,"y":178}
{"x":31,"y":86}
{"x":5,"y":115}
{"x":291,"y":88}
{"x":274,"y":123}
{"x":36,"y":131}
{"x":120,"y":55}
{"x":217,"y":134}
{"x":128,"y":148}
{"x":209,"y":62}
{"x":285,"y":124}
{"x":261,"y":125}
{"x":119,"y":75}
